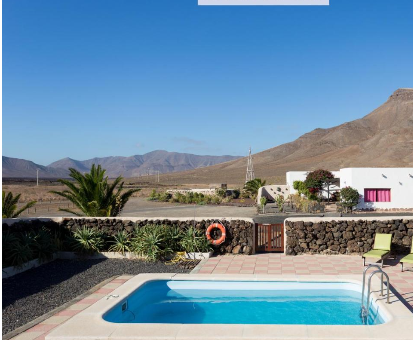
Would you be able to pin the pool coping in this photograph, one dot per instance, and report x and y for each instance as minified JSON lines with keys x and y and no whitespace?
{"x":89,"y":323}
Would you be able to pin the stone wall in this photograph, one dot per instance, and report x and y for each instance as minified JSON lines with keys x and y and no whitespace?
{"x":239,"y":233}
{"x":345,"y":236}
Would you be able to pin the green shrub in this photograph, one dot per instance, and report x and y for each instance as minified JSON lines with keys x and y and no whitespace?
{"x":235,"y":193}
{"x":280,"y":202}
{"x":300,"y":187}
{"x":153,"y":196}
{"x":22,"y":247}
{"x":221,"y":192}
{"x":216,"y":200}
{"x":164,"y":197}
{"x":263,"y":203}
{"x":9,"y":243}
{"x":21,"y":251}
{"x":87,"y":241}
{"x":194,"y":240}
{"x":173,"y":236}
{"x":349,"y":197}
{"x":150,"y":241}
{"x":227,"y":199}
{"x":121,"y":242}
{"x":43,"y":246}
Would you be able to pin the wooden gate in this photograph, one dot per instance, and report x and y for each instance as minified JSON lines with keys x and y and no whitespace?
{"x":269,"y":237}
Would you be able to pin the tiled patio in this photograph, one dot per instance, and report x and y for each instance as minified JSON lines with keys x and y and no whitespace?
{"x":40,"y":331}
{"x":280,"y":264}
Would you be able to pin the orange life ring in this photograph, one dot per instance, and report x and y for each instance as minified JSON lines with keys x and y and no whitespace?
{"x":216,"y":226}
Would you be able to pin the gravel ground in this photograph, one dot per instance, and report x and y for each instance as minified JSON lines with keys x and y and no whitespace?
{"x":35,"y":292}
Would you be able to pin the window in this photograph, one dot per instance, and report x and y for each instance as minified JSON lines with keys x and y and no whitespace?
{"x":377,"y":195}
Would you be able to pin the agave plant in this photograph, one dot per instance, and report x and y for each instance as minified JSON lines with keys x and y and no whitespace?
{"x":194,"y":240}
{"x":87,"y":241}
{"x":21,"y":250}
{"x":43,"y":246}
{"x":9,"y":205}
{"x":173,"y":236}
{"x":93,"y":195}
{"x":150,"y":242}
{"x":252,"y":187}
{"x":121,"y":242}
{"x":9,"y":242}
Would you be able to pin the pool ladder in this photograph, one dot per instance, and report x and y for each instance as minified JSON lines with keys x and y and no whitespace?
{"x":364,"y":312}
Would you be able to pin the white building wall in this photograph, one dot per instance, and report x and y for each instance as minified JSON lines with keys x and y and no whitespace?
{"x":398,"y":180}
{"x":271,"y":191}
{"x":292,"y":176}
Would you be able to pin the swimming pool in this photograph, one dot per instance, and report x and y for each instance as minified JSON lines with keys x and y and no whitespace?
{"x":244,"y":302}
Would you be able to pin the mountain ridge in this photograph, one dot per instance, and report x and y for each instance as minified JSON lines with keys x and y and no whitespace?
{"x":382,"y":138}
{"x":126,"y":166}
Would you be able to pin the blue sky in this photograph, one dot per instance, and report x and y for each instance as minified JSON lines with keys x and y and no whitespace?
{"x":85,"y":78}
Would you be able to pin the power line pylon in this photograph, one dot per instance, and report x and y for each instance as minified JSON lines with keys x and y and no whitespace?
{"x":250,"y":169}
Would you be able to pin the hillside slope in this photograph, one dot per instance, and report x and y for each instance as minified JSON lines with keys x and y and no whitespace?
{"x":383,"y":138}
{"x":21,"y":168}
{"x":138,"y":165}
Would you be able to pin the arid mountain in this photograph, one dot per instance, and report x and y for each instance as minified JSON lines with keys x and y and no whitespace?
{"x":383,"y":138}
{"x":133,"y":166}
{"x":138,"y":165}
{"x":21,"y":168}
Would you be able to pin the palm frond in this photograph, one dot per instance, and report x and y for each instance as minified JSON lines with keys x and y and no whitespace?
{"x":93,"y":194}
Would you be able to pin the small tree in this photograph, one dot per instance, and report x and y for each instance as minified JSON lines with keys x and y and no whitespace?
{"x":349,"y":197}
{"x":93,"y":195}
{"x":315,"y":181}
{"x":9,"y":205}
{"x":300,"y":187}
{"x":263,"y":202}
{"x":280,"y":202}
{"x":252,"y":187}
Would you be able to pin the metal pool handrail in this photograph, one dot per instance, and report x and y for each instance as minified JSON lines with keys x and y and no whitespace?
{"x":364,"y":281}
{"x":365,"y":310}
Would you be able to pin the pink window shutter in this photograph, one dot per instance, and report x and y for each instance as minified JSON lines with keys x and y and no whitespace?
{"x":383,"y":195}
{"x":369,"y":195}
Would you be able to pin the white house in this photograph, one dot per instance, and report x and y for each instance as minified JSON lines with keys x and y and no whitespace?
{"x":380,"y":188}
{"x":293,"y":176}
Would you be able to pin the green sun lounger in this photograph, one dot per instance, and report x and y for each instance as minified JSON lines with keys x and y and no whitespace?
{"x":408,"y":258}
{"x":381,"y":248}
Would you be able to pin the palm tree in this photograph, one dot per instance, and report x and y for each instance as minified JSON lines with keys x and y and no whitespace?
{"x":251,"y":187}
{"x":9,"y":205}
{"x":93,"y":194}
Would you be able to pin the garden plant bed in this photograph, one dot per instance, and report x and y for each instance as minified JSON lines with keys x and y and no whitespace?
{"x":31,"y":294}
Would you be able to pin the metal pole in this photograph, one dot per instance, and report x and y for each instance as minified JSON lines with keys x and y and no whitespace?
{"x":37,"y":177}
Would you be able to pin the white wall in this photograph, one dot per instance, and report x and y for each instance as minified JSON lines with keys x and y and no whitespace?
{"x":199,"y":191}
{"x":272,"y":191}
{"x":293,"y":176}
{"x":398,"y":180}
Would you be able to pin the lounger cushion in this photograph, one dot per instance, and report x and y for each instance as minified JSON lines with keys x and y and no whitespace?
{"x":407,"y":259}
{"x":382,"y":242}
{"x":377,"y":253}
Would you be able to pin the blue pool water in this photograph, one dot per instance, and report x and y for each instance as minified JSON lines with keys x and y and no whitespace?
{"x":229,"y":302}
